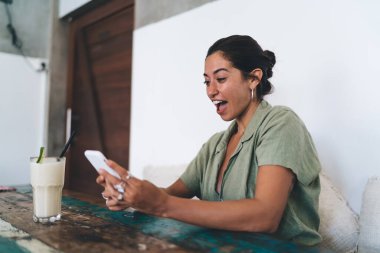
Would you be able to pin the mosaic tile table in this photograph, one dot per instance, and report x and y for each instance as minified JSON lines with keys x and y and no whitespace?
{"x":87,"y":226}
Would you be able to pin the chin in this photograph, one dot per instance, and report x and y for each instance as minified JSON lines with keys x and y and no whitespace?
{"x":226,"y":118}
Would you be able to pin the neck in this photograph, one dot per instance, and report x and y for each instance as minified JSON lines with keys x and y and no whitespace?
{"x":244,"y":119}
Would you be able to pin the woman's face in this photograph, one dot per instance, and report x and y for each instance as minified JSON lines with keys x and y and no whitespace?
{"x":226,"y":87}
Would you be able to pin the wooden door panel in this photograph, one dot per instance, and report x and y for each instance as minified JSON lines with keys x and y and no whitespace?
{"x":110,"y":27}
{"x":112,"y":64}
{"x":114,"y":80}
{"x":101,"y":90}
{"x":85,"y":122}
{"x":98,"y":52}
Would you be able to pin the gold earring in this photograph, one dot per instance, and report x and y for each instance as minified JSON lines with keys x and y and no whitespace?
{"x":252,"y":94}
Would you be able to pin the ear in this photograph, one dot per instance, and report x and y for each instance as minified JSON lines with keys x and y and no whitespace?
{"x":255,"y":78}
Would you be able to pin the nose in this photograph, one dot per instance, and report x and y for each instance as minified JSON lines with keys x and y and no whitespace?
{"x":212,"y":90}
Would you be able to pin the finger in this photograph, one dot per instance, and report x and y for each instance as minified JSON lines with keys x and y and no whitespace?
{"x":105,"y":195}
{"x":110,"y":190}
{"x":116,"y":205}
{"x":133,"y":183}
{"x":100,"y":180}
{"x":108,"y":177}
{"x":112,"y":202}
{"x":117,"y":208}
{"x":124,"y":173}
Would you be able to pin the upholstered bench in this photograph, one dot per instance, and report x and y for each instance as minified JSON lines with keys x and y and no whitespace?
{"x":342,"y":229}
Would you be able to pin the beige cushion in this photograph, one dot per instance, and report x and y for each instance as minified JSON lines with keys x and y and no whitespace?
{"x":369,"y":238}
{"x":339,"y":225}
{"x":163,"y":176}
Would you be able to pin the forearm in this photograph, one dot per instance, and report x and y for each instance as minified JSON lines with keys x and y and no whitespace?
{"x":170,"y":192}
{"x":238,"y":215}
{"x":178,"y":189}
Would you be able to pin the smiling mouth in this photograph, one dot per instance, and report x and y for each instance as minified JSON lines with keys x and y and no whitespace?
{"x":219,"y":103}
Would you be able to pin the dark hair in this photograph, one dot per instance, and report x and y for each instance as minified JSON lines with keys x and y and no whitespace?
{"x":246,"y":55}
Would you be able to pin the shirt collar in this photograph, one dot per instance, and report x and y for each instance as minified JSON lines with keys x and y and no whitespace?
{"x":226,"y":136}
{"x":254,"y":123}
{"x":256,"y":120}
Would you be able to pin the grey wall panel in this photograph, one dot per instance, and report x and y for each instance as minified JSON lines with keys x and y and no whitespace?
{"x":151,"y":11}
{"x":32,"y":21}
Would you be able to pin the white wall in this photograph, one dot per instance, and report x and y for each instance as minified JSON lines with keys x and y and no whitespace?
{"x":328,"y":63}
{"x":67,"y":6}
{"x":23,"y":111}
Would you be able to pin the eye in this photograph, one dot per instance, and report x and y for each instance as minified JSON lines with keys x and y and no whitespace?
{"x":221,"y":79}
{"x":206,"y":82}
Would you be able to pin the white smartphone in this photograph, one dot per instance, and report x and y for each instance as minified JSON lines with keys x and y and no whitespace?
{"x":98,"y":160}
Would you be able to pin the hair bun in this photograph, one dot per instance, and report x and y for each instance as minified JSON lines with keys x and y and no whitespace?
{"x":270,"y":56}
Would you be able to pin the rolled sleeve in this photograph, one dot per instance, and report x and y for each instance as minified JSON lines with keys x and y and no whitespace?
{"x":286,"y":142}
{"x":193,"y":175}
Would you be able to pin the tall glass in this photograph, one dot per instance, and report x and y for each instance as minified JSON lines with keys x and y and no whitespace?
{"x":47,"y":179}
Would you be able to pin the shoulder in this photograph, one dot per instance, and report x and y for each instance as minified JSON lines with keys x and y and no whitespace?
{"x":282,"y":112}
{"x":281,"y":121}
{"x":281,"y":115}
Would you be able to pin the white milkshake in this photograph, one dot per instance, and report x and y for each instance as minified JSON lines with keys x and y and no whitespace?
{"x":47,"y":180}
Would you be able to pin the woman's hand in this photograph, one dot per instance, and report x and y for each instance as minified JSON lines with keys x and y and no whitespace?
{"x":139,"y":194}
{"x":110,"y":195}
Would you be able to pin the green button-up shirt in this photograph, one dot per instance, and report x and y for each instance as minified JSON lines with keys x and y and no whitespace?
{"x":274,"y":136}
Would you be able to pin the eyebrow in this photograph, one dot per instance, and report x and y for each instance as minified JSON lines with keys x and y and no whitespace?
{"x":216,"y":71}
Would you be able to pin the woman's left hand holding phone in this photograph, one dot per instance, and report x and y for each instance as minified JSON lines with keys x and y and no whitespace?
{"x":110,"y":193}
{"x":139,"y":194}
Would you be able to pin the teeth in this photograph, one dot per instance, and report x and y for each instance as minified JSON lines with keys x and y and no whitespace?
{"x":216,"y":102}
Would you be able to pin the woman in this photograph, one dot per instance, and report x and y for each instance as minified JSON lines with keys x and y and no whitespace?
{"x":260,"y":175}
